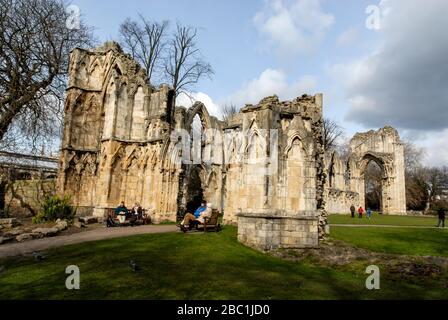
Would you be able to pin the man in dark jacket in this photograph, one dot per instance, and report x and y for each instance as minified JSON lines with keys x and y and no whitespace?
{"x":441,"y":213}
{"x":121,"y":212}
{"x":353,"y":210}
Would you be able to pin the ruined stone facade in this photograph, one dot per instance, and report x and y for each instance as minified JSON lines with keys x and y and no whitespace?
{"x":264,"y":168}
{"x":345,"y":184}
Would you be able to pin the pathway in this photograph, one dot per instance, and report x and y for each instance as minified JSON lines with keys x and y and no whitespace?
{"x":380,"y":226}
{"x":24,"y":248}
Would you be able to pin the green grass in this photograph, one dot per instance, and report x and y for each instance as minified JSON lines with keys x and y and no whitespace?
{"x":378,"y":219}
{"x":406,"y":241}
{"x":196,"y":266}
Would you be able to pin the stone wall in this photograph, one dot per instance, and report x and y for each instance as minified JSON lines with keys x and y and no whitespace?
{"x":24,"y":197}
{"x":118,"y":145}
{"x":270,"y":232}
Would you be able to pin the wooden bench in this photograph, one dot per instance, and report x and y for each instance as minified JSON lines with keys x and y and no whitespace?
{"x":211,"y":223}
{"x":144,"y":220}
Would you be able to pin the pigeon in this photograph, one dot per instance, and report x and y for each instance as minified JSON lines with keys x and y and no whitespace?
{"x":134,"y":266}
{"x":2,"y":269}
{"x":37,"y":256}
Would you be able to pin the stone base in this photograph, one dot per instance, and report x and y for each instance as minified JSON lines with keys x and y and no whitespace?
{"x":84,"y":211}
{"x":89,"y":220}
{"x":158,"y":218}
{"x":265,"y":232}
{"x":99,"y":212}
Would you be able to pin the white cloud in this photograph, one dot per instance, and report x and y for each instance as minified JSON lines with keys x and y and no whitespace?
{"x":271,"y":82}
{"x":435,"y":145}
{"x":402,"y":83}
{"x":293,"y":26}
{"x":348,"y":37}
{"x":187,"y":101}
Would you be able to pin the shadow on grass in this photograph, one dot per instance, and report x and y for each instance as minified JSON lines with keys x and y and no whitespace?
{"x":178,"y":266}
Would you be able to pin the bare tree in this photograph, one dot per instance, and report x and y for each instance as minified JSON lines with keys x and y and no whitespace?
{"x":424,"y":186}
{"x":183,"y":64}
{"x":145,"y":40}
{"x":417,"y":190}
{"x":228,"y":111}
{"x":331,"y":133}
{"x":413,"y":157}
{"x":34,"y":50}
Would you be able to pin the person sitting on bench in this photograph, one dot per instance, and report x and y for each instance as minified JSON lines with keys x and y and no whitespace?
{"x":190,"y":220}
{"x":137,"y":211}
{"x":121,"y":212}
{"x":201,"y":209}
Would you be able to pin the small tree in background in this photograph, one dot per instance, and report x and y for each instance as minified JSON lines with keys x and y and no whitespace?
{"x":331,"y":133}
{"x":228,"y":111}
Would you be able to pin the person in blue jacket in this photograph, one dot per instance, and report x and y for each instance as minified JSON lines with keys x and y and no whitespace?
{"x":190,"y":219}
{"x":201,"y":209}
{"x":369,"y":213}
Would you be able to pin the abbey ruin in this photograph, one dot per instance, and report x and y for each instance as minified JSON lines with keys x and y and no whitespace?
{"x":265,"y":168}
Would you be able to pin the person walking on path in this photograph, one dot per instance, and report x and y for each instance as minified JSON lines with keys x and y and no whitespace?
{"x":353,"y":211}
{"x":369,"y":213}
{"x":360,"y":212}
{"x":441,"y":213}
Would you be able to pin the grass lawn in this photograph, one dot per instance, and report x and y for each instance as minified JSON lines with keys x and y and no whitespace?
{"x":406,"y":241}
{"x":196,"y":266}
{"x":378,"y":219}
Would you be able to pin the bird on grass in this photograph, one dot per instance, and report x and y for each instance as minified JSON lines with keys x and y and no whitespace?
{"x":37,"y":256}
{"x":2,"y":269}
{"x":134,"y":266}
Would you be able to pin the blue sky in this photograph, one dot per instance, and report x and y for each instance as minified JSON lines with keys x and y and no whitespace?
{"x":292,"y":47}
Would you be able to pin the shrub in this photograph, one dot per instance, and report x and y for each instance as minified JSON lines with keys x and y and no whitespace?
{"x":54,"y":208}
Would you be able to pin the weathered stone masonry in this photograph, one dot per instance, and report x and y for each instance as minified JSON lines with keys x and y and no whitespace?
{"x":265,"y":168}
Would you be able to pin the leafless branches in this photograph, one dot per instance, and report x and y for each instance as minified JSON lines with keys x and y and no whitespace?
{"x":228,"y":111}
{"x":145,"y":40}
{"x":174,"y":58}
{"x":34,"y":51}
{"x":424,"y":185}
{"x":183,"y":64}
{"x":331,"y":133}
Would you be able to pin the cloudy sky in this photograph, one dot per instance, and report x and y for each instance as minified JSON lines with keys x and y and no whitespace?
{"x":377,"y":62}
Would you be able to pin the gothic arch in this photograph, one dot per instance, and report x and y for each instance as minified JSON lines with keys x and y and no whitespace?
{"x":292,"y":138}
{"x":115,"y":69}
{"x":379,"y":160}
{"x":294,"y":175}
{"x":385,"y":149}
{"x":198,"y":109}
{"x":255,"y":137}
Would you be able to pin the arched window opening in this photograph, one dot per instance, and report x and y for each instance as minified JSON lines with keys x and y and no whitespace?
{"x":197,"y":137}
{"x":373,"y":186}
